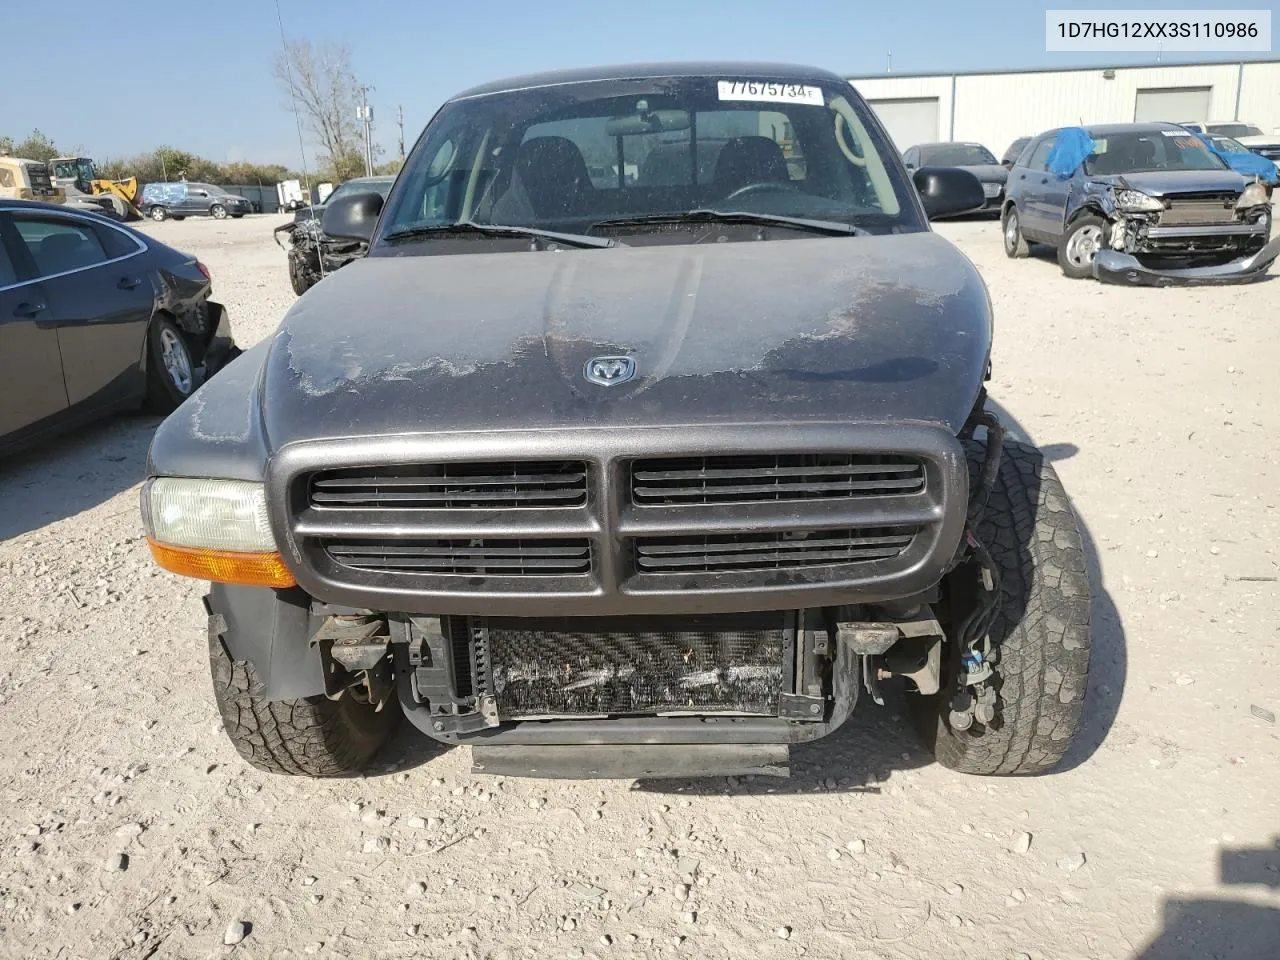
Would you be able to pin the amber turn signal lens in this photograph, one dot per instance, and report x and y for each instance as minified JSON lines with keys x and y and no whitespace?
{"x":223,"y":566}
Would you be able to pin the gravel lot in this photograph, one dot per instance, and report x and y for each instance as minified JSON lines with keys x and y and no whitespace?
{"x":130,"y":828}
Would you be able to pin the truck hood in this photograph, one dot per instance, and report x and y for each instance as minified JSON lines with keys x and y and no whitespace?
{"x":1161,"y":183}
{"x":876,"y":328}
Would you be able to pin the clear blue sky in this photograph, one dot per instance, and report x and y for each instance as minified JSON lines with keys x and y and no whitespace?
{"x":119,"y":80}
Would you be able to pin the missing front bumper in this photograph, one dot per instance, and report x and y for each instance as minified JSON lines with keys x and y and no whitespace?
{"x":765,"y":679}
{"x":1112,"y":266}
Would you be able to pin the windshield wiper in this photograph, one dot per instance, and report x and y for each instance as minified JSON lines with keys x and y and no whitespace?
{"x":470,"y":227}
{"x":828,"y":227}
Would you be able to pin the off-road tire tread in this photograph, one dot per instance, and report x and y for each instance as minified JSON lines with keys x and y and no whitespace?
{"x":1043,"y":632}
{"x":312,"y":736}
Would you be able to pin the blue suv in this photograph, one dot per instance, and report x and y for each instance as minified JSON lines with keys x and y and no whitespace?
{"x":1137,"y":203}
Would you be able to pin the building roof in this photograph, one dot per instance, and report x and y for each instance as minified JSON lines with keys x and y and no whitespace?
{"x":1093,"y":69}
{"x":648,"y":71}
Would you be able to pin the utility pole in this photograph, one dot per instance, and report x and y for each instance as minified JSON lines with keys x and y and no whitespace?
{"x":888,"y":62}
{"x":400,"y":122}
{"x":365,"y":112}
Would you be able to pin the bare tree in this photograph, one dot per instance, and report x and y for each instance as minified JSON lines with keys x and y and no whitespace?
{"x":324,"y":88}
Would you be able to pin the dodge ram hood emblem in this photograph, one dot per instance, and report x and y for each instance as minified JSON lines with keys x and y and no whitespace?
{"x":607,"y":371}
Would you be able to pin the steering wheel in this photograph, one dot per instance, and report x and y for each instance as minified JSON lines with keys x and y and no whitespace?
{"x":764,"y":186}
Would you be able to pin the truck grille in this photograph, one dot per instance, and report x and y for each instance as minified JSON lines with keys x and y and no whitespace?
{"x":585,"y":522}
{"x":455,"y":486}
{"x":562,"y":672}
{"x":472,"y":557}
{"x":1192,"y":209}
{"x":746,"y":479}
{"x":775,"y":551}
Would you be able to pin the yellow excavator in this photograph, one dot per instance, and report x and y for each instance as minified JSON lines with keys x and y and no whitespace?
{"x":78,"y":175}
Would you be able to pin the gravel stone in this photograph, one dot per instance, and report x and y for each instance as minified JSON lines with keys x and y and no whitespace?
{"x":1071,"y":863}
{"x":235,"y":933}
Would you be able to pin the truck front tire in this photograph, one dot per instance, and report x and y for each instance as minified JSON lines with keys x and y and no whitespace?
{"x":307,"y":736}
{"x":1041,"y":636}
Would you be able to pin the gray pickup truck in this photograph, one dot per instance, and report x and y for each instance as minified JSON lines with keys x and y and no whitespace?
{"x":611,"y":476}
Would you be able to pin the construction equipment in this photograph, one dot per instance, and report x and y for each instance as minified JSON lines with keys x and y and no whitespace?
{"x":27,"y":180}
{"x":79,"y":178}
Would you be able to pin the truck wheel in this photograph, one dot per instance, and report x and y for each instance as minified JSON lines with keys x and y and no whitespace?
{"x":1015,"y":244}
{"x":301,"y":276}
{"x":158,"y":213}
{"x":1084,"y":238}
{"x":1040,"y":640}
{"x":170,"y":372}
{"x":310,"y":737}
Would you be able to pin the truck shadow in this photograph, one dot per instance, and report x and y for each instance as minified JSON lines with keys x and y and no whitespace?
{"x":73,"y":472}
{"x":1195,"y":928}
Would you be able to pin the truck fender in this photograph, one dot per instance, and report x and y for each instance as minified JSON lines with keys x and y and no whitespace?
{"x":272,"y":630}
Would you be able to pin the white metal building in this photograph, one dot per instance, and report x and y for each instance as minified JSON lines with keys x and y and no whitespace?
{"x":996,"y":108}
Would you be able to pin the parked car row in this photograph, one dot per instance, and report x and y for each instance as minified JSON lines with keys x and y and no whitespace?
{"x":1255,"y":156}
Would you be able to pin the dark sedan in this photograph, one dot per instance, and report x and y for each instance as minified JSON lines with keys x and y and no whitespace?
{"x":973,"y":157}
{"x":1011,"y":155}
{"x":95,"y":318}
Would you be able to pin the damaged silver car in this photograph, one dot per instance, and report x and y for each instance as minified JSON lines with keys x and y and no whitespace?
{"x":1138,"y":203}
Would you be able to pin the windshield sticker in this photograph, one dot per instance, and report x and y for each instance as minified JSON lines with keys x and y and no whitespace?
{"x":772,"y":92}
{"x":1174,"y":133}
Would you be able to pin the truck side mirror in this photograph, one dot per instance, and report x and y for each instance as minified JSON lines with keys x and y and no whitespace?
{"x":948,"y":191}
{"x":352,"y":217}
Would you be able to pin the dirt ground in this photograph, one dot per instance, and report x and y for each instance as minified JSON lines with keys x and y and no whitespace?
{"x":1158,"y":841}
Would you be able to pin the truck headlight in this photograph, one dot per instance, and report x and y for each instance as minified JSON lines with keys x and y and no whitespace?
{"x":1255,"y":194}
{"x":1135,"y":201}
{"x":213,"y":530}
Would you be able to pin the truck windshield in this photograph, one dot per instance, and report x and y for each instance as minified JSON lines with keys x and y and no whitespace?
{"x":570,"y":156}
{"x":1149,"y":151}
